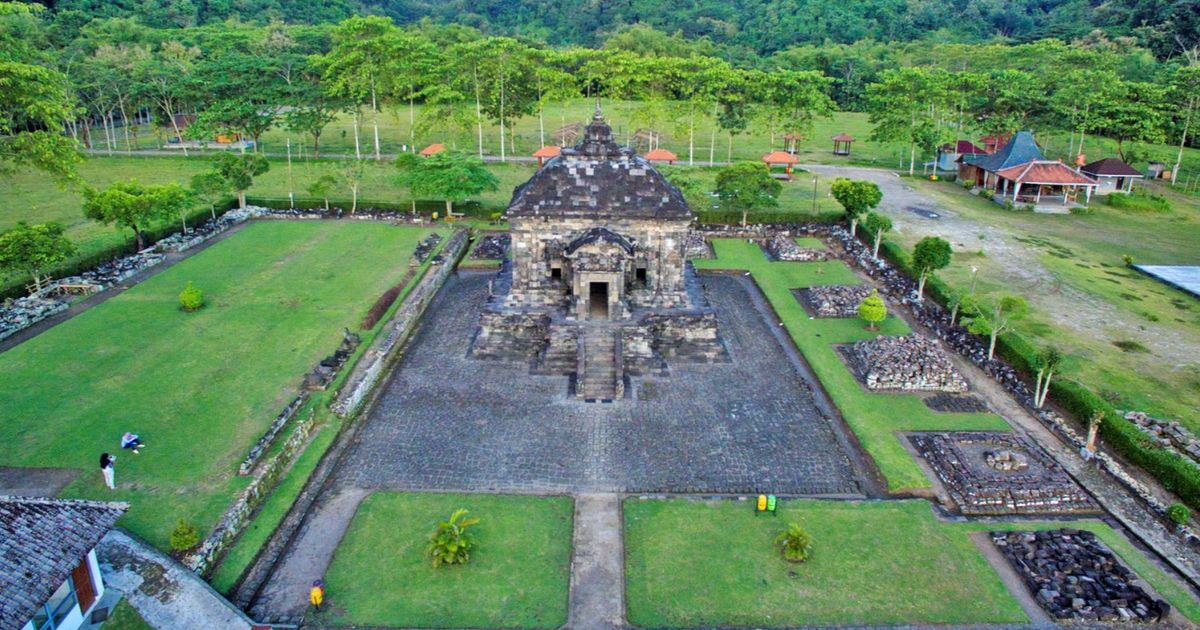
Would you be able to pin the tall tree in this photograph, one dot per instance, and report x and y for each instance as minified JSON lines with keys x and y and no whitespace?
{"x":164,"y":76}
{"x":929,"y":254}
{"x":452,"y":177}
{"x":748,"y":187}
{"x":905,"y":106}
{"x":129,"y":204}
{"x":856,"y":197}
{"x":1185,"y":90}
{"x":876,"y":225}
{"x":996,"y":318}
{"x":239,"y":171}
{"x":1133,"y":115}
{"x":354,"y":67}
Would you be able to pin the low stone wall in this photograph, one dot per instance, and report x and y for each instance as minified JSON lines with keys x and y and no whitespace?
{"x":908,"y":363}
{"x":425,"y":248}
{"x":243,"y":509}
{"x":492,"y":247}
{"x":21,"y":313}
{"x":272,"y":432}
{"x":372,"y":366}
{"x":1168,"y":434}
{"x":1073,"y":576}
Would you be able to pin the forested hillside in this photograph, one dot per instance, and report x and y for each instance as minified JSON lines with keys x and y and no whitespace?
{"x":740,"y":27}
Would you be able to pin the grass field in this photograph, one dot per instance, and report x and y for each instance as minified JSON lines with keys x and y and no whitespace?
{"x":517,"y":576}
{"x":200,"y":388}
{"x":124,"y":617}
{"x":1141,"y":356}
{"x":713,"y":563}
{"x":874,"y":418}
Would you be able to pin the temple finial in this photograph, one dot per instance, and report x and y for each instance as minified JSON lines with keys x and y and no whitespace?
{"x":597,"y":115}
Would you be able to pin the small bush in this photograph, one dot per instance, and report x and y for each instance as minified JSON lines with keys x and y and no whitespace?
{"x":450,"y":543}
{"x":986,"y":193}
{"x":184,"y":537}
{"x":794,"y":543}
{"x":872,"y":310}
{"x":1082,"y":210}
{"x":1139,"y":201}
{"x":1179,"y":514}
{"x":191,"y":299}
{"x":1028,"y":208}
{"x":1008,"y":205}
{"x":1127,"y":259}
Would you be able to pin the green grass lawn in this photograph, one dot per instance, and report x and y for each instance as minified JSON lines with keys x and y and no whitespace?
{"x":517,"y":576}
{"x":875,"y":418}
{"x":124,"y":617}
{"x":200,"y":388}
{"x":701,"y":563}
{"x":1083,"y":253}
{"x":713,"y":563}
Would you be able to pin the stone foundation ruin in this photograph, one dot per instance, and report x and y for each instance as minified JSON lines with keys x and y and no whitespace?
{"x":784,"y":248}
{"x":1000,"y":473}
{"x":835,"y":300}
{"x":597,"y":285}
{"x":908,"y":363}
{"x":1074,"y":576}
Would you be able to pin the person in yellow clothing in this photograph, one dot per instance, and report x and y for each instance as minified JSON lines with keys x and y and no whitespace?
{"x":316,"y":594}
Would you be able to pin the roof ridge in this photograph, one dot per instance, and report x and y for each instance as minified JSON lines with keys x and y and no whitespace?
{"x":117,"y":505}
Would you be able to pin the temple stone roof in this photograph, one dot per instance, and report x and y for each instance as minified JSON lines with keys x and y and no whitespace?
{"x":598,"y":178}
{"x":41,"y":542}
{"x":599,"y":235}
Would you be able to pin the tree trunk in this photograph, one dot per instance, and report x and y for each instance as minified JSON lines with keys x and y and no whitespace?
{"x":744,"y":213}
{"x":449,"y":207}
{"x":125,"y":126}
{"x":182,"y":145}
{"x":374,"y":120}
{"x":1037,"y":388}
{"x":729,"y":152}
{"x":954,"y":312}
{"x":316,"y":146}
{"x":541,"y":128}
{"x":353,"y":199}
{"x":854,"y":227}
{"x":1045,"y":389}
{"x":502,"y":117}
{"x":921,"y":286}
{"x":326,"y":204}
{"x":412,"y":121}
{"x":875,"y":249}
{"x":478,"y":111}
{"x":691,"y":136}
{"x":137,"y":238}
{"x":912,"y":159}
{"x":241,"y":199}
{"x":183,"y":221}
{"x":212,"y":209}
{"x":992,"y":343}
{"x":357,"y":149}
{"x":1183,"y":140}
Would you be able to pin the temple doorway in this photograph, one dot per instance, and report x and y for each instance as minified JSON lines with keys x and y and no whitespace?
{"x":598,"y":300}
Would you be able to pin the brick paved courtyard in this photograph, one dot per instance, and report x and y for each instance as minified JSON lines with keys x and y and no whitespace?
{"x":448,"y":422}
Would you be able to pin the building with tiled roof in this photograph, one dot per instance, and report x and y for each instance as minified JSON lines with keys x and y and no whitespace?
{"x":1019,"y":173}
{"x":49,"y":576}
{"x":661,"y":155}
{"x":1112,"y":175}
{"x":950,"y":153}
{"x":781,"y":158}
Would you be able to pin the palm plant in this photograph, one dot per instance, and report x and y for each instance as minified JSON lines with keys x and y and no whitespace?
{"x":794,"y":542}
{"x":450,"y":543}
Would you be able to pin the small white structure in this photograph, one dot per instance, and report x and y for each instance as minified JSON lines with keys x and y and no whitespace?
{"x":1112,"y":174}
{"x":49,"y":576}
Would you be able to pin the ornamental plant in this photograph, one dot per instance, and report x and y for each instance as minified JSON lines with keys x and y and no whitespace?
{"x":191,"y":299}
{"x":184,"y":536}
{"x":450,"y":543}
{"x":794,"y":543}
{"x":1178,"y":513}
{"x":872,"y":310}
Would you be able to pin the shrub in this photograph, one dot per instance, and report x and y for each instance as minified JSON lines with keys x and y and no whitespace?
{"x":1008,"y":205}
{"x":450,"y":543}
{"x":191,"y":299}
{"x":794,"y":543}
{"x":986,"y":193}
{"x":184,"y":537}
{"x":1127,"y":259}
{"x":872,"y":310}
{"x":1139,"y":201}
{"x":381,"y":306}
{"x":1179,"y":514}
{"x":1082,"y":210}
{"x":1028,"y":208}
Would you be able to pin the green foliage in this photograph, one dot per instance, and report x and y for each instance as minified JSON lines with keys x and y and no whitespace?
{"x":451,"y":543}
{"x":747,"y":187}
{"x":1179,"y":514}
{"x":191,"y":299}
{"x":240,"y":171}
{"x":857,"y":198}
{"x":995,"y":316}
{"x":1139,"y":201}
{"x":876,"y":225}
{"x":184,"y":537}
{"x":35,"y":102}
{"x":794,"y":543}
{"x":872,"y":310}
{"x":31,"y":249}
{"x":129,"y":204}
{"x":1127,"y":259}
{"x":322,"y":186}
{"x":987,"y":193}
{"x":449,"y":175}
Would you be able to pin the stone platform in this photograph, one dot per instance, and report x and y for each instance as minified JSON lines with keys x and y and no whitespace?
{"x":446,"y":421}
{"x":998,"y":473}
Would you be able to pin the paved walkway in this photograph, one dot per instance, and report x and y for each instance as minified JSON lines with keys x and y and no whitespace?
{"x":165,"y":593}
{"x":597,"y":598}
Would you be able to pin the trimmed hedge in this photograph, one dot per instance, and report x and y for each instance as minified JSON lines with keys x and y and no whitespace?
{"x":1173,"y":471}
{"x":152,"y":235}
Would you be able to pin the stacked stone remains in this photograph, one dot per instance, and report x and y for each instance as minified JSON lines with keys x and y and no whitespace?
{"x":21,"y":313}
{"x":1167,"y":433}
{"x":1000,"y":473}
{"x":783,"y":247}
{"x":319,"y":378}
{"x":491,"y":247}
{"x":1073,"y":576}
{"x":908,"y":363}
{"x":696,"y":246}
{"x":955,"y":403}
{"x":836,"y":300}
{"x":425,"y":247}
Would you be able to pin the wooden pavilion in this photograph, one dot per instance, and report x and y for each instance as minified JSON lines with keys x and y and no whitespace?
{"x":436,"y":147}
{"x":661,"y":155}
{"x":777,"y":158}
{"x":841,"y":143}
{"x":791,"y":140}
{"x":567,"y":134}
{"x":546,"y":153}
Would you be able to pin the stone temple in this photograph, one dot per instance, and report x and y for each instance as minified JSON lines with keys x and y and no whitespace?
{"x":597,"y":285}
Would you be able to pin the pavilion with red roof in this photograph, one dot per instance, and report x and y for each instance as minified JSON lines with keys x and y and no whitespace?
{"x":436,"y":147}
{"x":660,"y":155}
{"x":841,"y":143}
{"x":1018,"y":172}
{"x":776,"y":158}
{"x":546,"y":153}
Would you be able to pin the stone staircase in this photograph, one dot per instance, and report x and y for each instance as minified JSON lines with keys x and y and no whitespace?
{"x":598,"y":375}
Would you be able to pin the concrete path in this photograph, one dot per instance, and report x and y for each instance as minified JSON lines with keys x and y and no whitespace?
{"x":597,"y":569}
{"x":165,"y":593}
{"x":284,"y":597}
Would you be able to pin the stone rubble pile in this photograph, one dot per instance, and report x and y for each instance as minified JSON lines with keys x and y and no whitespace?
{"x":908,"y":363}
{"x":21,"y":313}
{"x":836,"y":300}
{"x":1167,"y":433}
{"x":998,"y":473}
{"x":425,"y":247}
{"x":362,"y":214}
{"x":696,"y":246}
{"x":492,"y":247}
{"x":1074,"y":576}
{"x":782,"y":247}
{"x":319,"y":378}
